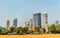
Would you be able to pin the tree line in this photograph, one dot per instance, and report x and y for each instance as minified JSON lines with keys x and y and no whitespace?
{"x":53,"y":29}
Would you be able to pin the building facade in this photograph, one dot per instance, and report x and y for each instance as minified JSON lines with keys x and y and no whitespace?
{"x":29,"y":23}
{"x":45,"y":21}
{"x":56,"y":22}
{"x":8,"y":24}
{"x":37,"y":20}
{"x":44,"y":18}
{"x":15,"y":23}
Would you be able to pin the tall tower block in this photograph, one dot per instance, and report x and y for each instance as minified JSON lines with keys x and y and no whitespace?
{"x":44,"y":18}
{"x":15,"y":22}
{"x":37,"y":19}
{"x":8,"y":24}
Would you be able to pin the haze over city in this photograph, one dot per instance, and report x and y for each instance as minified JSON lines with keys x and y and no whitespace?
{"x":24,"y":9}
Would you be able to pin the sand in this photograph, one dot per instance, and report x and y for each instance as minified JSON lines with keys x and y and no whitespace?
{"x":31,"y":36}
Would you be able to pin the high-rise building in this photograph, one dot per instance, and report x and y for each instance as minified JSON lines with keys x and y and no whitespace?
{"x":15,"y":23}
{"x":56,"y":22}
{"x":8,"y":24}
{"x":37,"y":20}
{"x":44,"y":18}
{"x":29,"y":23}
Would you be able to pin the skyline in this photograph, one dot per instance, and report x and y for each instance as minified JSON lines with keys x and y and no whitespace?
{"x":24,"y":9}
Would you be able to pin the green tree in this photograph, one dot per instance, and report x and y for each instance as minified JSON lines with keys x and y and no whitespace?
{"x":52,"y":29}
{"x":43,"y":30}
{"x":57,"y":28}
{"x":11,"y":30}
{"x":25,"y":30}
{"x":18,"y":30}
{"x":37,"y":30}
{"x":0,"y":31}
{"x":4,"y":31}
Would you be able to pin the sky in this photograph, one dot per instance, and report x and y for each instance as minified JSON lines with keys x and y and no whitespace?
{"x":24,"y":9}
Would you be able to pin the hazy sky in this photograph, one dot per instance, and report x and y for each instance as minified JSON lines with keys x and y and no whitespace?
{"x":24,"y":9}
